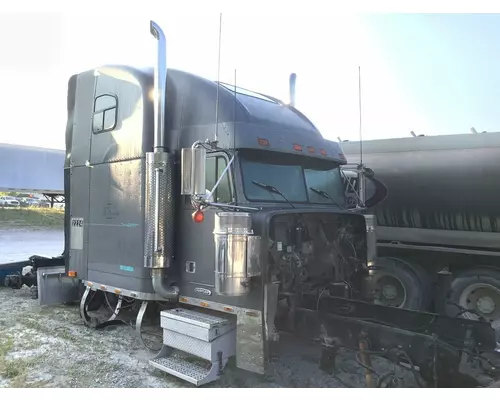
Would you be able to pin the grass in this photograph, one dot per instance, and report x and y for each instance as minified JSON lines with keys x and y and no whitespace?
{"x":9,"y":368}
{"x":31,"y":217}
{"x":15,"y":369}
{"x":6,"y":345}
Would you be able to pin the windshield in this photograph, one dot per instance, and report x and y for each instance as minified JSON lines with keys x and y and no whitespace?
{"x":293,"y":176}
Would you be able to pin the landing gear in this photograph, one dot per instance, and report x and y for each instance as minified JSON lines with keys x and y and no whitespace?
{"x":398,"y":283}
{"x":475,"y":294}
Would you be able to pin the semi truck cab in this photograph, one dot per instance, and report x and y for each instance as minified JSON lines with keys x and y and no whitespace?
{"x":188,"y":191}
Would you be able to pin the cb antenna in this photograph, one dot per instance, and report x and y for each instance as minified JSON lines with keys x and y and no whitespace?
{"x":235,"y":101}
{"x":360,"y":117}
{"x":361,"y":168}
{"x":218,"y":82}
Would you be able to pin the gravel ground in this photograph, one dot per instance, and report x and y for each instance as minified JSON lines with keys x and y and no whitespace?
{"x":48,"y":346}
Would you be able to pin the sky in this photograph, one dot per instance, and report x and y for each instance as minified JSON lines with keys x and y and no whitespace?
{"x":430,"y":73}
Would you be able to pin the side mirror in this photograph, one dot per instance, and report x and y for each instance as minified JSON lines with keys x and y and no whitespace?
{"x":368,"y":172}
{"x":193,"y":163}
{"x":377,"y":192}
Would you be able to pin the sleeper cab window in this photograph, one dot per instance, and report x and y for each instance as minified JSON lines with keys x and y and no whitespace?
{"x":105,"y":113}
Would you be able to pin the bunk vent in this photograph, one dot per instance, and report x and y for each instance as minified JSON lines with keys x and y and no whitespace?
{"x":196,"y":346}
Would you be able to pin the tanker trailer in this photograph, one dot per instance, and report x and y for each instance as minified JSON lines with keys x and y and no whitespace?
{"x":438,"y":230}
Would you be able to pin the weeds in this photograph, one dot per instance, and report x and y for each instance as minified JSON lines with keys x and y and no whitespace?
{"x":6,"y":345}
{"x":15,"y":369}
{"x":33,"y":217}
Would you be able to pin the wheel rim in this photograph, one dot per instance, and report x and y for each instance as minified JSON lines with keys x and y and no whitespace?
{"x":484,"y":299}
{"x":389,"y":290}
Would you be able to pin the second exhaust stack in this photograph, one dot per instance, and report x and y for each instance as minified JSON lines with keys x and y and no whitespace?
{"x":293,"y":79}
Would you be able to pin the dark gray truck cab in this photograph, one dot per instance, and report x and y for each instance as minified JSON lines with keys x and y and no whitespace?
{"x":111,"y":130}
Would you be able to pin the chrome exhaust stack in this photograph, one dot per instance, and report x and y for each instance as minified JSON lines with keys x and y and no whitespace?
{"x":159,"y":201}
{"x":160,"y":82}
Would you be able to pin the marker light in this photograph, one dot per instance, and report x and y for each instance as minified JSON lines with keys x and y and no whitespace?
{"x":311,"y":149}
{"x":297,"y":147}
{"x":198,"y":216}
{"x":263,"y":142}
{"x":323,"y":152}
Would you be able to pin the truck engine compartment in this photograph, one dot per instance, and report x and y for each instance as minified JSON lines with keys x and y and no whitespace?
{"x":310,"y":253}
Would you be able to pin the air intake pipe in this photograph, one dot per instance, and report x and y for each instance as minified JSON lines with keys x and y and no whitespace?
{"x":159,"y":201}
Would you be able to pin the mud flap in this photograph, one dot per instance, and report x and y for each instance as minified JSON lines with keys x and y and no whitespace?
{"x":55,"y":287}
{"x":256,"y":333}
{"x":271,"y":291}
{"x":249,"y":341}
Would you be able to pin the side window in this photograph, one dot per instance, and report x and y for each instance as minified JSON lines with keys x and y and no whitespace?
{"x":210,"y":171}
{"x":214,"y":168}
{"x":223,"y":192}
{"x":105,"y":113}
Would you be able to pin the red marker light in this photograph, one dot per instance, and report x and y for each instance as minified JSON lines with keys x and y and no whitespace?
{"x":297,"y":147}
{"x":263,"y":142}
{"x":323,"y":152}
{"x":198,"y":216}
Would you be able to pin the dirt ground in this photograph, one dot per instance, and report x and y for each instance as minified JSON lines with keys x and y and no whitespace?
{"x":48,"y":346}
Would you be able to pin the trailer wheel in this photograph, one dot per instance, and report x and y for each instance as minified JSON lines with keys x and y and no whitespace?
{"x":397,"y":283}
{"x":477,"y":290}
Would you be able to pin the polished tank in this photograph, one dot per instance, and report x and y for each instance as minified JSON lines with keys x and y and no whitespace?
{"x":442,"y":190}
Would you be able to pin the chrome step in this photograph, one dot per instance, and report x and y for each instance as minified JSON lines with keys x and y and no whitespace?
{"x":210,"y":338}
{"x":188,"y":371}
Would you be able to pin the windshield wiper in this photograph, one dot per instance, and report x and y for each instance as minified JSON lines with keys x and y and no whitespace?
{"x":272,"y":189}
{"x":326,"y":196}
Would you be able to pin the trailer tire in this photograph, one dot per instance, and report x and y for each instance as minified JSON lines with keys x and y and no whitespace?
{"x":412,"y":279}
{"x":466,"y":282}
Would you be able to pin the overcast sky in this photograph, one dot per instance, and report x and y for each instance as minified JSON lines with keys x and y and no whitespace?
{"x":434,"y":74}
